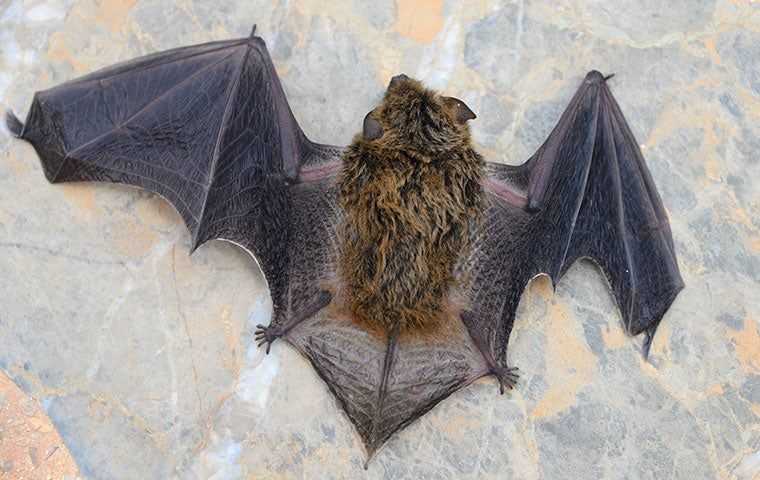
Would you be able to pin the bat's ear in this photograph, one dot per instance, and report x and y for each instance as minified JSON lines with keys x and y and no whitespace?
{"x":461,"y":111}
{"x":372,"y":128}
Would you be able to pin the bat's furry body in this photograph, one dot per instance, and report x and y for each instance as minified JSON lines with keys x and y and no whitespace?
{"x":405,"y":227}
{"x":411,"y":199}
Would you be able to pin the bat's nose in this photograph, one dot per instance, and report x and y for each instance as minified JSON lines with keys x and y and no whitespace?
{"x":595,"y":76}
{"x":398,"y":79}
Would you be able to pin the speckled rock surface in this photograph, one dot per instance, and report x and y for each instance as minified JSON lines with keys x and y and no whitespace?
{"x":30,"y":446}
{"x":142,"y":355}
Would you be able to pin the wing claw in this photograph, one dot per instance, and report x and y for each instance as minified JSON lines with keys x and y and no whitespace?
{"x":15,"y":126}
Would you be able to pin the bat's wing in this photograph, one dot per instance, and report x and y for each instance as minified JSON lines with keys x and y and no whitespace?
{"x":208,"y":128}
{"x":585,"y":193}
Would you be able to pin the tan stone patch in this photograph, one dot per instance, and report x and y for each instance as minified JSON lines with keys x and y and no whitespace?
{"x":749,"y":101}
{"x":133,"y":239}
{"x":17,"y":166}
{"x":81,"y":196}
{"x":420,"y":20}
{"x":713,"y":167}
{"x":58,"y":51}
{"x":113,"y":13}
{"x":698,"y":117}
{"x":614,"y":337}
{"x":713,"y":390}
{"x":234,"y":361}
{"x":660,"y":344}
{"x":712,"y":51}
{"x":542,"y":285}
{"x":388,"y":65}
{"x":456,"y":426}
{"x":571,"y":364}
{"x":754,"y":245}
{"x":738,"y":214}
{"x":157,"y":213}
{"x":267,"y":474}
{"x":30,"y":447}
{"x":747,"y":345}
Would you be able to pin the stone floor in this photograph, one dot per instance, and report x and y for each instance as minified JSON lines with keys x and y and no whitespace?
{"x":142,"y":356}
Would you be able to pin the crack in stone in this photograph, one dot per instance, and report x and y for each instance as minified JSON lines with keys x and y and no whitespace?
{"x":60,"y":254}
{"x":187,"y":332}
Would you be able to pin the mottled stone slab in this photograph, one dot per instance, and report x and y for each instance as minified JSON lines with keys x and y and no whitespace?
{"x":142,"y":355}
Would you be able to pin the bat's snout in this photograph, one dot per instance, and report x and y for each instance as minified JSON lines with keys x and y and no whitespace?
{"x":398,"y":79}
{"x":595,"y":76}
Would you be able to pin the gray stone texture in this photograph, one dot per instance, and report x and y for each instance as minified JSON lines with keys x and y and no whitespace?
{"x":142,"y":355}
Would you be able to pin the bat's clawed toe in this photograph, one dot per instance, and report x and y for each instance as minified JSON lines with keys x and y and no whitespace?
{"x":266,"y":335}
{"x":507,"y":377}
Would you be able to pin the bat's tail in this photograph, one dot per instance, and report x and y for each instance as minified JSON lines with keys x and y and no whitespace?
{"x":15,"y":125}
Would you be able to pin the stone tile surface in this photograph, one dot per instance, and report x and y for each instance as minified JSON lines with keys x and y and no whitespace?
{"x":142,"y":355}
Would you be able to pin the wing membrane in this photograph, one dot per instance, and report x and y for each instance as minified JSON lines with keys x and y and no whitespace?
{"x":207,"y":127}
{"x":585,"y":193}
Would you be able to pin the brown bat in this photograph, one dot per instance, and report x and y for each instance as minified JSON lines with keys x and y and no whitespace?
{"x":396,"y":264}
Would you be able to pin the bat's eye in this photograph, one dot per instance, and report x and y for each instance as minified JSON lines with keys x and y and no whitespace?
{"x":372,"y":128}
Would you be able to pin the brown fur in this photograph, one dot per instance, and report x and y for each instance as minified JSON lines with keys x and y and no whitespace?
{"x":411,"y":198}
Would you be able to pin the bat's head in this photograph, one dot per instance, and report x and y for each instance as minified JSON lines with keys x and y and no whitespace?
{"x":414,"y":117}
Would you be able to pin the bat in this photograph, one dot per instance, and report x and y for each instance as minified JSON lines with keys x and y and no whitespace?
{"x":395,"y":264}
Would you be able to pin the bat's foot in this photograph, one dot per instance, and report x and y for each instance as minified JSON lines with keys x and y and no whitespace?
{"x":507,"y":377}
{"x":267,"y":335}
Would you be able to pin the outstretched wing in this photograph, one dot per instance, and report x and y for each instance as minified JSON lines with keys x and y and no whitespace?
{"x":208,"y":128}
{"x":585,"y":193}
